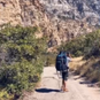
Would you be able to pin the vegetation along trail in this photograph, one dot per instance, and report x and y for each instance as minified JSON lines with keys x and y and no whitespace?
{"x":50,"y":86}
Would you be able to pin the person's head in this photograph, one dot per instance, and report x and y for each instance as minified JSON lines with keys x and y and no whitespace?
{"x":68,"y":54}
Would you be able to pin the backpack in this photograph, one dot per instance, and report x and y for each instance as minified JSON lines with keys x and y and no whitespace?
{"x":61,"y":60}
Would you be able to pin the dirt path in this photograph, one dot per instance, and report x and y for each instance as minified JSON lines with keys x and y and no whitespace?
{"x":51,"y":84}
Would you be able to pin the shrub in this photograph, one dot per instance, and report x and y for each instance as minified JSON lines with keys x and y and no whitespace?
{"x":50,"y":59}
{"x":84,"y":45}
{"x":21,"y":58}
{"x":19,"y":76}
{"x":4,"y":95}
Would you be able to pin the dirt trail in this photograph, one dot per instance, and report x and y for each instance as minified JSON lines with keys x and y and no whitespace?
{"x":51,"y":84}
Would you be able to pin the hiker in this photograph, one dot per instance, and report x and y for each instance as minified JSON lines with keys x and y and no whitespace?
{"x":65,"y":73}
{"x":62,"y":61}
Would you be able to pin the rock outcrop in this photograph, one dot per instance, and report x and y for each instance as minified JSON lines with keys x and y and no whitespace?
{"x":88,"y":10}
{"x":23,"y":12}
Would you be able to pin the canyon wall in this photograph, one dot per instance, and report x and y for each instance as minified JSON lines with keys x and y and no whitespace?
{"x":35,"y":13}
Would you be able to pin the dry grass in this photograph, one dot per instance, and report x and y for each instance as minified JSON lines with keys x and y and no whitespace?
{"x":76,"y":63}
{"x":87,"y":68}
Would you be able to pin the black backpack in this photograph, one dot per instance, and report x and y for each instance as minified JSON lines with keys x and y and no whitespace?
{"x":61,"y":60}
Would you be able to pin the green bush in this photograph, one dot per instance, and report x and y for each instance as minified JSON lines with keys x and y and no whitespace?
{"x":84,"y":45}
{"x":19,"y":76}
{"x":4,"y":95}
{"x":22,"y":60}
{"x":50,"y":59}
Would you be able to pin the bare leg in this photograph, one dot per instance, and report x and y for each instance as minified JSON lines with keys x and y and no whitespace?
{"x":64,"y":85}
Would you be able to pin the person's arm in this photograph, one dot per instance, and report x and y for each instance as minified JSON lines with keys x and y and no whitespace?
{"x":73,"y":60}
{"x":69,"y":59}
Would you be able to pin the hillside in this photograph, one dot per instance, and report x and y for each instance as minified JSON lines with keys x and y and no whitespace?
{"x":89,"y":69}
{"x":21,"y":12}
{"x":83,"y":10}
{"x":33,"y":13}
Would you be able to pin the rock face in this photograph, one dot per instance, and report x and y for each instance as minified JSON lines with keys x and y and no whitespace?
{"x":23,"y":12}
{"x":34,"y":13}
{"x":88,"y":10}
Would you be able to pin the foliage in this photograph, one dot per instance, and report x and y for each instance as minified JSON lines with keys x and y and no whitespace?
{"x":21,"y":58}
{"x":4,"y":95}
{"x":87,"y":45}
{"x":50,"y":59}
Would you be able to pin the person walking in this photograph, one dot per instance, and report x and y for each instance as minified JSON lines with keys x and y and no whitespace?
{"x":65,"y":73}
{"x":62,"y":61}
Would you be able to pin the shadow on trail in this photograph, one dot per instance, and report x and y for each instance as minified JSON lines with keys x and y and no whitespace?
{"x":45,"y":90}
{"x":89,"y":84}
{"x":84,"y":80}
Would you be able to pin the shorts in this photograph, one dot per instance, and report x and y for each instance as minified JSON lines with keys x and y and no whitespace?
{"x":65,"y":75}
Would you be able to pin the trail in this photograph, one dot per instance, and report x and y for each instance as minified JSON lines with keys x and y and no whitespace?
{"x":51,"y":84}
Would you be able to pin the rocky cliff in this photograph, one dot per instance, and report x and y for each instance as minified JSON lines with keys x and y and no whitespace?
{"x":88,"y":10}
{"x":34,"y":13}
{"x":23,"y":12}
